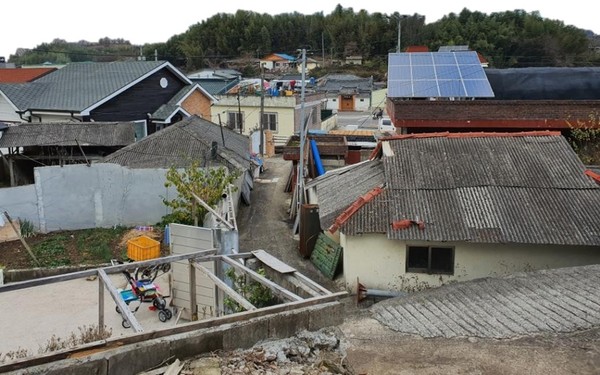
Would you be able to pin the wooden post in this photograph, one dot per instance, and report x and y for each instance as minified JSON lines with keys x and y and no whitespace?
{"x":100,"y":306}
{"x":37,"y":262}
{"x":193,"y":302}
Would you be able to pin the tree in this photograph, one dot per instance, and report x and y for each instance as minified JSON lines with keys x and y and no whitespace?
{"x":584,"y":137}
{"x":208,"y":184}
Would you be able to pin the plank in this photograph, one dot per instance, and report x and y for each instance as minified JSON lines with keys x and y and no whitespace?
{"x":273,"y":262}
{"x":116,"y":296}
{"x":225,"y":288}
{"x":278,"y":290}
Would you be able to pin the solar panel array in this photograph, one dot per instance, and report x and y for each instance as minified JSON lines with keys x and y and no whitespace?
{"x":437,"y":75}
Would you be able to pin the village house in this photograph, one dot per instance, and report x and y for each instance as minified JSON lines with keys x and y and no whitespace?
{"x":240,"y":109}
{"x":435,"y":208}
{"x":428,"y":93}
{"x":346,"y":92}
{"x":153,"y":94}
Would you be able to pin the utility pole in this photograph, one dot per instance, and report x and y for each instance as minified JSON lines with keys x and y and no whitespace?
{"x":262,"y":110}
{"x":400,"y":17}
{"x":300,"y":182}
{"x":240,"y":120}
{"x":323,"y":47}
{"x":155,"y":55}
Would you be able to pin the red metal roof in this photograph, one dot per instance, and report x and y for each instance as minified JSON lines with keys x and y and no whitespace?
{"x":417,"y":49}
{"x":23,"y":75}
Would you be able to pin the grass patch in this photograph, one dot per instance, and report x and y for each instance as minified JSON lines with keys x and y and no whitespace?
{"x":97,"y":244}
{"x":52,"y":252}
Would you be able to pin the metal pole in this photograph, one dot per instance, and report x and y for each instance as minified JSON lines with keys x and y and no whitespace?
{"x":262,"y":110}
{"x":398,"y":49}
{"x":300,"y":189}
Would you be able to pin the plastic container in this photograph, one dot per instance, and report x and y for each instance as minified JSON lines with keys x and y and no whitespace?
{"x":143,"y":248}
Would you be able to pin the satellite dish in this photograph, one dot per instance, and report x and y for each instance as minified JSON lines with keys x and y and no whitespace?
{"x":164,"y":83}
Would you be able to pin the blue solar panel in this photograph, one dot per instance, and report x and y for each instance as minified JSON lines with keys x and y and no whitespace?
{"x":437,"y":74}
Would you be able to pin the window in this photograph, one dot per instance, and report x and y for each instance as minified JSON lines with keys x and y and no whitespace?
{"x":141,"y":129}
{"x":270,"y":121}
{"x":431,"y":260}
{"x":235,"y":120}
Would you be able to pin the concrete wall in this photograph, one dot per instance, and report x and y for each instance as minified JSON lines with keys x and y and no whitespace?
{"x":102,"y":195}
{"x":380,"y":263}
{"x":135,"y":358}
{"x":330,"y":123}
{"x":21,"y":203}
{"x":78,"y":197}
{"x":379,"y":98}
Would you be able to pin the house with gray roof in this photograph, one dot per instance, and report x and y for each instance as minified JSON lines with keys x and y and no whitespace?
{"x":191,"y":139}
{"x":153,"y":94}
{"x":30,"y":145}
{"x":435,"y":208}
{"x":346,"y":92}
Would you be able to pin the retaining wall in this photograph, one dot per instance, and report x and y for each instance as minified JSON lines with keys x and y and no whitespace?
{"x":134,"y":358}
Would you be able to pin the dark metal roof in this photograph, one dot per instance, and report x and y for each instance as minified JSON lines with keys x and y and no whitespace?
{"x":488,"y":189}
{"x":548,"y":83}
{"x":184,"y":142}
{"x":69,"y":134}
{"x":362,"y":177}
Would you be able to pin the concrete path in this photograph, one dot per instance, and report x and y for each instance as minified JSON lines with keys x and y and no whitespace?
{"x":29,"y":318}
{"x":550,"y":301}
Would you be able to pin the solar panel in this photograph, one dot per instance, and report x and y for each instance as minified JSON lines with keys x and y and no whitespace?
{"x":437,"y":75}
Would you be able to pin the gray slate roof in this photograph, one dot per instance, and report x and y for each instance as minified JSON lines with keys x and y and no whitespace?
{"x":69,"y":134}
{"x":337,"y":82}
{"x":164,"y":111}
{"x":515,"y":189}
{"x":183,"y":142}
{"x":77,"y":86}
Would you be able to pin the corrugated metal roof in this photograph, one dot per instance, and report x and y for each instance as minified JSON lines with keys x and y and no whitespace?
{"x":180,"y":144}
{"x":333,"y":199}
{"x":69,"y":134}
{"x":515,"y":189}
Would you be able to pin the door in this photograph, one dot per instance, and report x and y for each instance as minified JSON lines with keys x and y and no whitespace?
{"x":347,"y":103}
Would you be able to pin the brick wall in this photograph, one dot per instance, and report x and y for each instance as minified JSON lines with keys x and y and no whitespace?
{"x":197,"y":104}
{"x":492,"y":113}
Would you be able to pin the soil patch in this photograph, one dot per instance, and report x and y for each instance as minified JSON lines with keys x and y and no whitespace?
{"x":88,"y":246}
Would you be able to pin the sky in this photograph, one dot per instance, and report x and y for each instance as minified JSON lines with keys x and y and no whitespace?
{"x":28,"y":23}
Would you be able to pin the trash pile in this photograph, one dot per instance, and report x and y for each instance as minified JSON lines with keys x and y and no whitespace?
{"x":318,"y":353}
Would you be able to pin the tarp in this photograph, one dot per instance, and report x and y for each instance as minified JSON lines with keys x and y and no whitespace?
{"x":545,"y":83}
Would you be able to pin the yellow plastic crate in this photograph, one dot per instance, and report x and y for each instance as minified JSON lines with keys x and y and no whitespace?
{"x":143,"y":248}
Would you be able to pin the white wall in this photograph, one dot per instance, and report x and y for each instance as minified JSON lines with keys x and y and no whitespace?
{"x":380,"y":263}
{"x":7,"y":112}
{"x":362,"y":103}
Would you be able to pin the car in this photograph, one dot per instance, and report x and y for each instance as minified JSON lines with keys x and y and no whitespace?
{"x":385,"y":125}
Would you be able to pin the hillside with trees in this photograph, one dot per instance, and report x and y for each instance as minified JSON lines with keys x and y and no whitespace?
{"x":507,"y":39}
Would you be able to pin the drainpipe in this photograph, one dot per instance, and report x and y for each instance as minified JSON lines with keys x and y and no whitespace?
{"x":362,"y":292}
{"x":32,"y":115}
{"x":21,"y":113}
{"x":75,"y":118}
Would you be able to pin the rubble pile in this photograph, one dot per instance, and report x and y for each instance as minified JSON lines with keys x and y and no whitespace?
{"x":312,"y":353}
